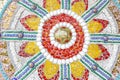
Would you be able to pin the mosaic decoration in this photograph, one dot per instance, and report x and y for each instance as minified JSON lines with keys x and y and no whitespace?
{"x":60,"y":40}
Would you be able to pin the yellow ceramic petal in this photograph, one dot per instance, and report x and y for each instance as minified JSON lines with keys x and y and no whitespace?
{"x":31,"y":48}
{"x":94,"y":51}
{"x":51,"y":5}
{"x":33,"y":22}
{"x":94,"y":26}
{"x":79,"y":7}
{"x":77,"y":69}
{"x":50,"y":69}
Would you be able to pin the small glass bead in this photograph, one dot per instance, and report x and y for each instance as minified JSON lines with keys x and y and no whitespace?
{"x":34,"y":7}
{"x":31,"y":65}
{"x":105,"y":38}
{"x":20,"y":35}
{"x":94,"y":67}
{"x":95,"y":10}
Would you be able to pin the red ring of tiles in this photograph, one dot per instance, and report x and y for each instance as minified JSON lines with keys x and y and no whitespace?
{"x":62,"y":53}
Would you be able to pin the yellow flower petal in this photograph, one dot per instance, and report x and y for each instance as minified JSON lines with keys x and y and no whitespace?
{"x":33,"y":22}
{"x":51,"y":5}
{"x":50,"y":69}
{"x":94,"y":26}
{"x":31,"y":48}
{"x":77,"y":69}
{"x":79,"y":7}
{"x":94,"y":51}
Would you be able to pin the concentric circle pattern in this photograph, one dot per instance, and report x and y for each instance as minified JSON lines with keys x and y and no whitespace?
{"x":58,"y":52}
{"x":59,"y":40}
{"x":62,"y":33}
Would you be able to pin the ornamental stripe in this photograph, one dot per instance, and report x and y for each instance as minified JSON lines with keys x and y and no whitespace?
{"x":99,"y":10}
{"x":97,"y":64}
{"x":66,"y":4}
{"x":89,"y":63}
{"x":38,"y":59}
{"x":89,"y":68}
{"x":105,"y":38}
{"x":101,"y":72}
{"x":89,"y":14}
{"x":38,"y":10}
{"x":13,"y":35}
{"x":65,"y":72}
{"x":38,"y":64}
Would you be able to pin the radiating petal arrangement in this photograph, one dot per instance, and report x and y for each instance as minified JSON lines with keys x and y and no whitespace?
{"x":62,"y":39}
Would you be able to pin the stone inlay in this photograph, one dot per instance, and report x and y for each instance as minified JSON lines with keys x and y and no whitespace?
{"x":63,"y":35}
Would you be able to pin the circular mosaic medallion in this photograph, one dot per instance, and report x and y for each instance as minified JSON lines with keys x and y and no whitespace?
{"x":63,"y":36}
{"x":59,"y":40}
